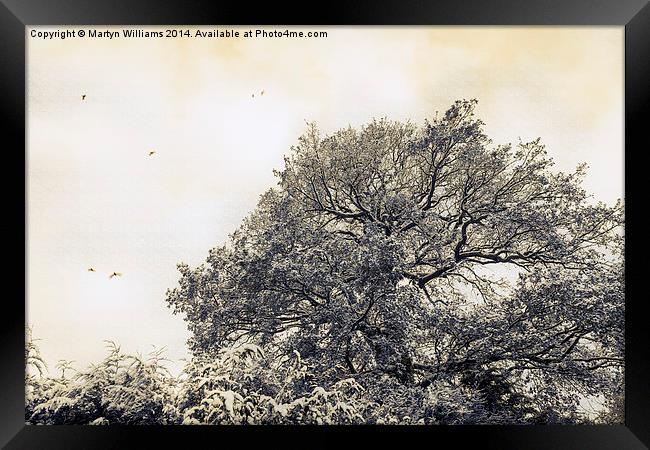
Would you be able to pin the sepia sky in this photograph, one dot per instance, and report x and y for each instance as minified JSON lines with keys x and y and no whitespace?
{"x":96,"y":199}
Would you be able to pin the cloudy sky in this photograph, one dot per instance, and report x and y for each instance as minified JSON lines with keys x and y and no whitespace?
{"x":96,"y":199}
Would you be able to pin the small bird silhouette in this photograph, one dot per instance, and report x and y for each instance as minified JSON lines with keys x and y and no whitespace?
{"x":252,"y":95}
{"x":90,"y":269}
{"x":83,"y":97}
{"x":262,"y":93}
{"x":115,"y":274}
{"x":151,"y":153}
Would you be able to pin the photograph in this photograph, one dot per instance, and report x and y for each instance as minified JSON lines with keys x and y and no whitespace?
{"x":325,"y":225}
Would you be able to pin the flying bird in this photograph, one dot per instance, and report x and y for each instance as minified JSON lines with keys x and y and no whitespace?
{"x":83,"y":96}
{"x":252,"y":95}
{"x":262,"y":93}
{"x":151,"y":153}
{"x":115,"y":274}
{"x":90,"y":269}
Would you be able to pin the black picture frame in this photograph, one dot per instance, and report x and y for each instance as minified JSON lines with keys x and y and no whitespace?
{"x":634,"y":15}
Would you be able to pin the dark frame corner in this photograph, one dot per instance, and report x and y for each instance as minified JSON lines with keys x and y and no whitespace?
{"x":634,"y":15}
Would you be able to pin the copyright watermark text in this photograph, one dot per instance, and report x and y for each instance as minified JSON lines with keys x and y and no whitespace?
{"x":174,"y":33}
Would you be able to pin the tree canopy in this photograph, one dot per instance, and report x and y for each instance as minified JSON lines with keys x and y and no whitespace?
{"x":455,"y":281}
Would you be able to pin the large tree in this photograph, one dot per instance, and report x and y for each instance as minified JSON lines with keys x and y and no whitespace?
{"x":424,"y":261}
